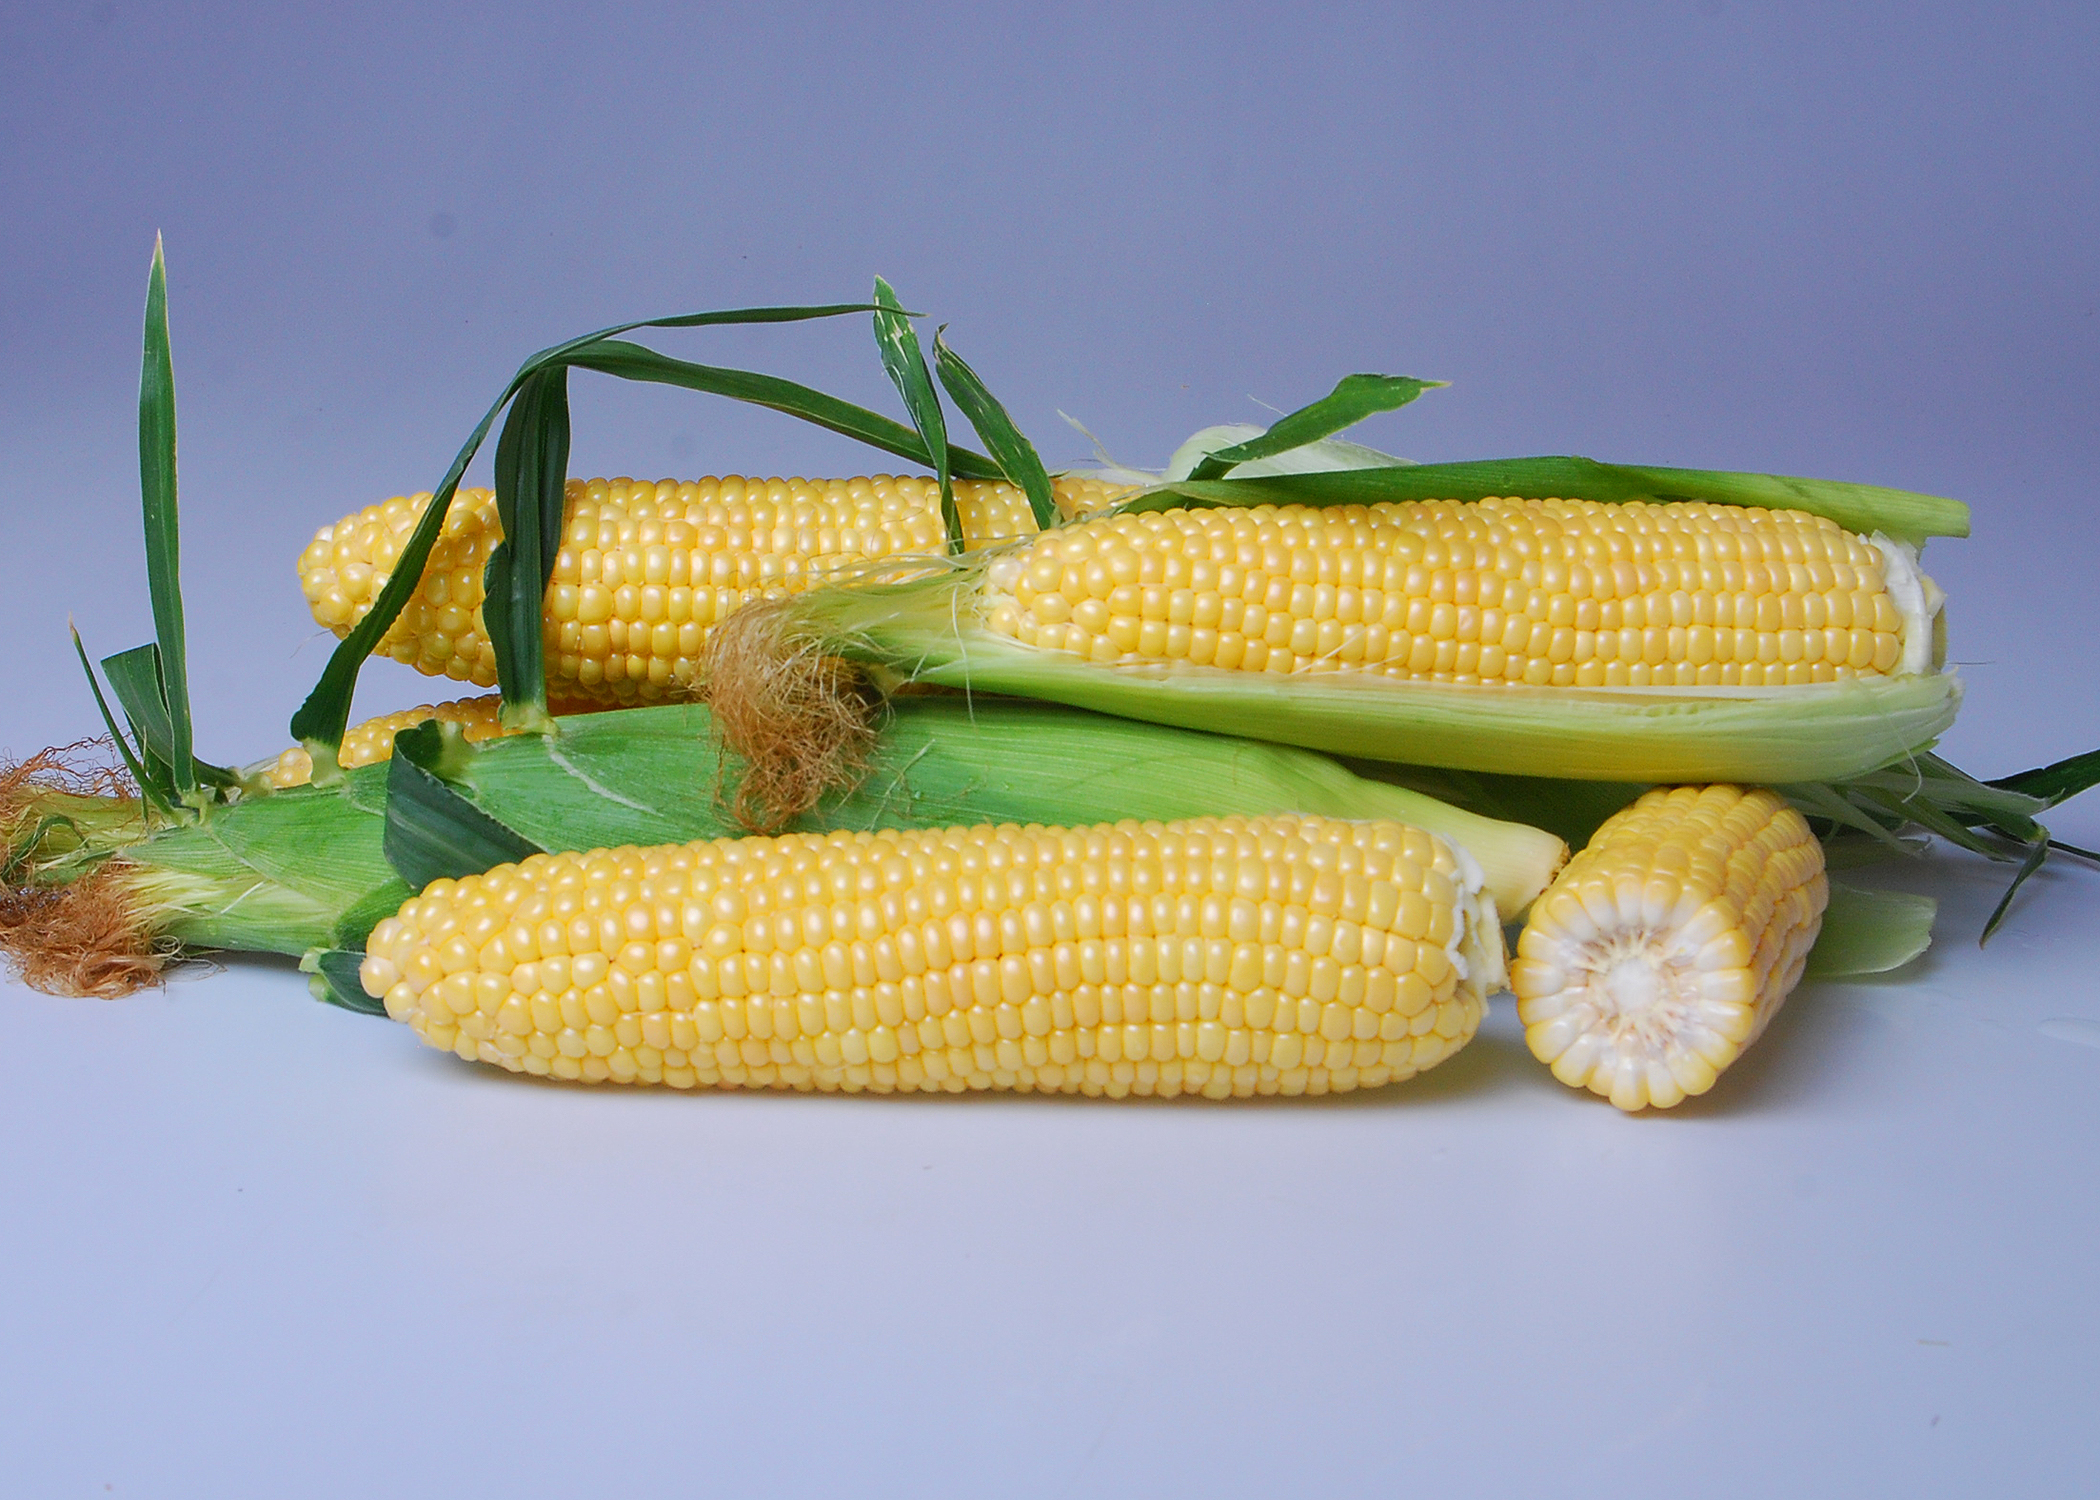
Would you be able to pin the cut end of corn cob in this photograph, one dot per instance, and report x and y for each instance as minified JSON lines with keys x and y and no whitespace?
{"x":1222,"y":957}
{"x":1562,"y":593}
{"x":1669,"y":942}
{"x":646,"y":569}
{"x":373,"y":740}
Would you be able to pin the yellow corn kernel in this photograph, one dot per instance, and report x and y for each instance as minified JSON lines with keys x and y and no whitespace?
{"x":1545,"y":592}
{"x":1666,"y":945}
{"x":1222,"y":957}
{"x":646,"y":569}
{"x":373,"y":740}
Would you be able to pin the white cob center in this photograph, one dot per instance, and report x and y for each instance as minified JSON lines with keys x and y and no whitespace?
{"x":1475,"y":947}
{"x":1916,"y":597}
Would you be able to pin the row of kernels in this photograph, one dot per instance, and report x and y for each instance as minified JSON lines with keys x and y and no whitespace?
{"x":1184,"y":977}
{"x":1378,"y":626}
{"x":1206,"y":855}
{"x":835,"y":1019}
{"x":1347,"y":916}
{"x":1697,"y":655}
{"x":1520,"y":538}
{"x":1298,"y":645}
{"x":637,"y":1050}
{"x":1373,"y":587}
{"x":958,"y":1071}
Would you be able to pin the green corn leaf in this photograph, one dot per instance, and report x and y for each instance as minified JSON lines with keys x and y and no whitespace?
{"x":1829,"y":802}
{"x":638,"y":362}
{"x":322,"y":718}
{"x":1017,"y":457}
{"x":648,"y":776}
{"x":899,"y":347}
{"x":1862,"y":508}
{"x":532,"y":470}
{"x":1870,"y":932}
{"x":334,"y":980}
{"x":20,"y":854}
{"x":1570,"y":810}
{"x":2057,"y":782}
{"x":135,"y":677}
{"x":298,"y":869}
{"x":158,"y":796}
{"x":138,"y":678}
{"x":2037,"y":854}
{"x":1353,"y":399}
{"x":1954,"y":830}
{"x":432,"y":832}
{"x":380,"y":901}
{"x":163,"y":534}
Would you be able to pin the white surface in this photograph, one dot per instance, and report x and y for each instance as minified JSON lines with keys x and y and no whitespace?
{"x":257,"y":1246}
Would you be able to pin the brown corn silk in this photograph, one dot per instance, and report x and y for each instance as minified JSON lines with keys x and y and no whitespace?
{"x":87,"y":937}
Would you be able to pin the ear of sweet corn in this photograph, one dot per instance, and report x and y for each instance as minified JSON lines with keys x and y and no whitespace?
{"x":645,"y":569}
{"x":1669,"y":942}
{"x":1627,"y":642}
{"x":1216,"y":957}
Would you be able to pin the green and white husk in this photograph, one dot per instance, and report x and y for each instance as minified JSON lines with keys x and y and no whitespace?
{"x":930,"y":630}
{"x":1327,"y":456}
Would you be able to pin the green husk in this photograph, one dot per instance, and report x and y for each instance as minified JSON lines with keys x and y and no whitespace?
{"x":309,"y":869}
{"x":928,"y":631}
{"x":1353,"y":398}
{"x":631,"y":775}
{"x":1870,"y":932}
{"x":432,"y":833}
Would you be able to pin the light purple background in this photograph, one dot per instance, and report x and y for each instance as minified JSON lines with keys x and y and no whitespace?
{"x":254,"y":1246}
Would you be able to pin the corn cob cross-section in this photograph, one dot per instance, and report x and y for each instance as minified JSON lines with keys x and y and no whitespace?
{"x":645,"y":569}
{"x":1668,"y":943}
{"x":1222,"y":957}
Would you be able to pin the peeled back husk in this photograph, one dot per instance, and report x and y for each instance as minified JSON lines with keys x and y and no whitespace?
{"x":928,"y":631}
